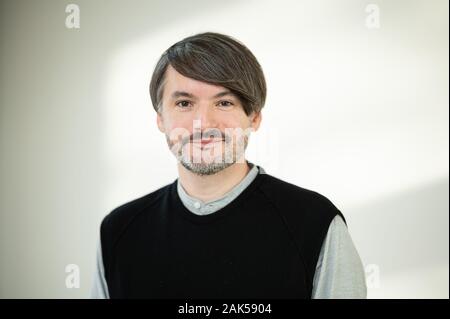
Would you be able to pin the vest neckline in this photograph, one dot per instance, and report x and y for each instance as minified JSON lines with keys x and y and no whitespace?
{"x":224,"y":211}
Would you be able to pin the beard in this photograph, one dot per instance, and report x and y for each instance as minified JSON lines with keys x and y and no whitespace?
{"x":210,"y":160}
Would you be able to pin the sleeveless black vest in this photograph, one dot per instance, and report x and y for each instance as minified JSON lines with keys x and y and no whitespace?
{"x":264,"y":244}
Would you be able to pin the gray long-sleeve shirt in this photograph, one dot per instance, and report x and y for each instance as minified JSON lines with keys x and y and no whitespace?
{"x":339,"y":270}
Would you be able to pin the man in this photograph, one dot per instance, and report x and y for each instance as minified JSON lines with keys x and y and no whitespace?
{"x":224,"y":228}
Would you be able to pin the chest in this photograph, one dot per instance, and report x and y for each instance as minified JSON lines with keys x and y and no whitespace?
{"x":238,"y":257}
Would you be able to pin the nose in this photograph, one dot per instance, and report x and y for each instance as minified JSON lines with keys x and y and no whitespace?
{"x":205,"y":114}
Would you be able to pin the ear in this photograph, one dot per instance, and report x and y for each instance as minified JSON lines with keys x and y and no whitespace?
{"x":255,"y":119}
{"x":160,"y":122}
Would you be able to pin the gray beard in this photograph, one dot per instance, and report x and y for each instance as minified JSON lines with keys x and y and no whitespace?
{"x":204,"y":169}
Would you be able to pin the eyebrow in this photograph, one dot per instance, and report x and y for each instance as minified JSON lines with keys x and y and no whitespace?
{"x":177,"y":94}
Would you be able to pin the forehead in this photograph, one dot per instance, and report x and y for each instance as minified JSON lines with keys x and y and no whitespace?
{"x":177,"y":82}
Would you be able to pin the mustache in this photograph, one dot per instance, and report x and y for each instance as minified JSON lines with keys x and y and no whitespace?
{"x":179,"y":138}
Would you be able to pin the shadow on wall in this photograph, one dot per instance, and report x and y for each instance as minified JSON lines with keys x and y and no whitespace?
{"x":51,"y":87}
{"x":406,"y":236}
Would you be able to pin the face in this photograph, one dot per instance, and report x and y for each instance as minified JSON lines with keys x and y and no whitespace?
{"x":205,"y":125}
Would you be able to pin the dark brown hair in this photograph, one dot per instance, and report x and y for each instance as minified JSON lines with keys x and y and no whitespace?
{"x":216,"y":59}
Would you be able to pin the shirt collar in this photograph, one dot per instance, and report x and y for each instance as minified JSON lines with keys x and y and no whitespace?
{"x":200,"y":207}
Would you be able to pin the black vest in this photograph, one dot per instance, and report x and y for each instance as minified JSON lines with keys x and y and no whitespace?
{"x":264,"y":244}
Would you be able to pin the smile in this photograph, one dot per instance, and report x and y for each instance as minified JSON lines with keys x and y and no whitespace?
{"x":207,"y":141}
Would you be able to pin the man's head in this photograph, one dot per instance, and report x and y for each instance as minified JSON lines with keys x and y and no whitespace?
{"x":208,"y":86}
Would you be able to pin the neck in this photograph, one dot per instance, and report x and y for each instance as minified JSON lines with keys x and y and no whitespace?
{"x":211,"y":187}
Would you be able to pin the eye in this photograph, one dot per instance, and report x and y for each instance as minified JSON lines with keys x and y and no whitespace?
{"x":227,"y":103}
{"x":183,"y":104}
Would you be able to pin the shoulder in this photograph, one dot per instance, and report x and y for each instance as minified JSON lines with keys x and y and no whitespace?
{"x":120,"y":217}
{"x":307,"y":215}
{"x":290,"y":197}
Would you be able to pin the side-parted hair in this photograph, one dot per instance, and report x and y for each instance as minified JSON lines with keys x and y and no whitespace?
{"x":216,"y":59}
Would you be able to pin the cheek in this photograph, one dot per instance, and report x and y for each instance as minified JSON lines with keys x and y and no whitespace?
{"x":235,"y":123}
{"x":231,"y":121}
{"x":180,"y":124}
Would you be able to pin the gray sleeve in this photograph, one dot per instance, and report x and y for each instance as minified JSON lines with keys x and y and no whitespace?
{"x":99,"y":289}
{"x":339,"y":271}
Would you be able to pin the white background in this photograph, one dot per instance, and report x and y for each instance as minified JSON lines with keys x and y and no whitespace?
{"x":359,"y":115}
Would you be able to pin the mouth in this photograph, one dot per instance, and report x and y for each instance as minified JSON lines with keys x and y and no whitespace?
{"x":207,"y":141}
